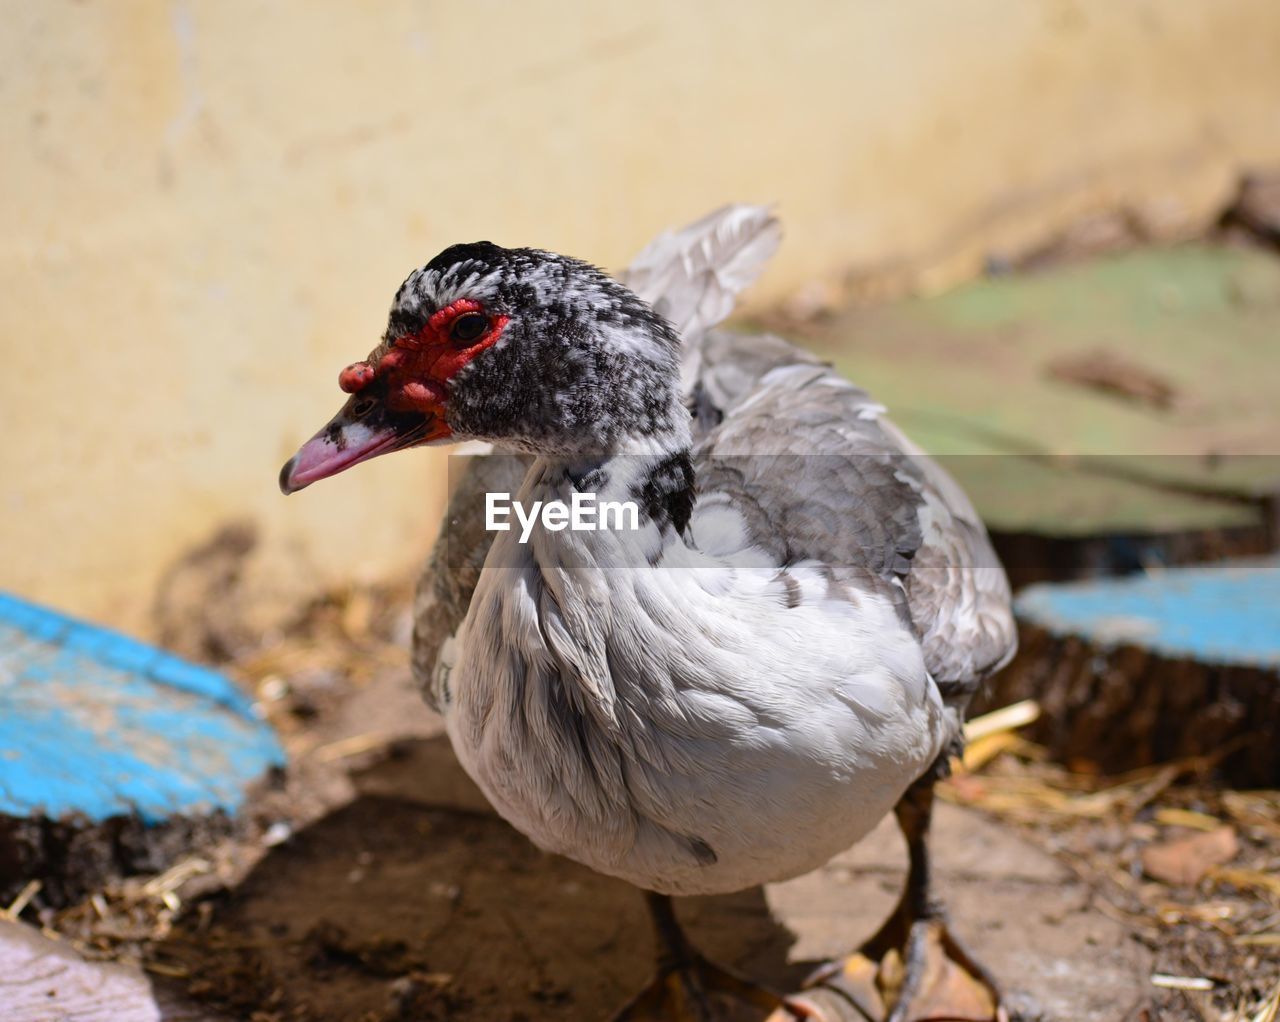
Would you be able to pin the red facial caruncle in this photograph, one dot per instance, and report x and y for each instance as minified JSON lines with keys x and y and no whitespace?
{"x":397,"y":398}
{"x":417,"y":366}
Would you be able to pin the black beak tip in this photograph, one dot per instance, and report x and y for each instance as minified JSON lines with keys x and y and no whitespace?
{"x":286,"y":482}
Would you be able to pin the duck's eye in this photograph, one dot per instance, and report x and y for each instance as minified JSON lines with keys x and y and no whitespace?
{"x":468,"y":327}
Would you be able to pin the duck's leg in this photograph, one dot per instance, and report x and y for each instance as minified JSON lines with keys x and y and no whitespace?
{"x":914,"y":968}
{"x":687,"y":985}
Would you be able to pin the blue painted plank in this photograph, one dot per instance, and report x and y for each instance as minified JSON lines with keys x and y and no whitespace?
{"x":1226,"y":614}
{"x":97,"y":723}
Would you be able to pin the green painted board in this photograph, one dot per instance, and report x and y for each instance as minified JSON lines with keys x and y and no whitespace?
{"x":1054,"y":497}
{"x":969,"y":374}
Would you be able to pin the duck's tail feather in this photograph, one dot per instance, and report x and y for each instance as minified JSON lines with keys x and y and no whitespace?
{"x":693,"y":276}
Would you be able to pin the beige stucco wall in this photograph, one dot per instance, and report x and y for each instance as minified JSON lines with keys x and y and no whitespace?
{"x":207,"y":206}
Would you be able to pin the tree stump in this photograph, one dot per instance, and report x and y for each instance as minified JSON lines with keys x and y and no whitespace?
{"x":114,"y":756}
{"x":1147,"y":669}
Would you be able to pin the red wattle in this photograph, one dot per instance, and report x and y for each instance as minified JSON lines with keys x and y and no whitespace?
{"x":355,"y":377}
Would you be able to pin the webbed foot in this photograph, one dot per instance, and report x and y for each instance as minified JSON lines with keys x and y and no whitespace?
{"x":699,"y":990}
{"x":692,"y":988}
{"x":932,"y":977}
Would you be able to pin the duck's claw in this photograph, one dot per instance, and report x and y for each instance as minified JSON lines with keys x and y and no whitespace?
{"x":699,"y":990}
{"x":933,"y":978}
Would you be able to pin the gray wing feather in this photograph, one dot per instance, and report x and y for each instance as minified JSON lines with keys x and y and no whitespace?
{"x":959,"y":591}
{"x":694,"y":276}
{"x":724,"y":368}
{"x":843,"y":486}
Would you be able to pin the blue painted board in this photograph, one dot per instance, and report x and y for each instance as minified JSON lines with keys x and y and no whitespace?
{"x":1224,"y":614}
{"x":96,"y":723}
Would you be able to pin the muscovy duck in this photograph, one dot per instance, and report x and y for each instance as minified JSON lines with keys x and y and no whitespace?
{"x":777,"y":655}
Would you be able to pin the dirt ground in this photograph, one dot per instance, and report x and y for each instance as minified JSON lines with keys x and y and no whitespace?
{"x":414,"y":893}
{"x":373,"y":882}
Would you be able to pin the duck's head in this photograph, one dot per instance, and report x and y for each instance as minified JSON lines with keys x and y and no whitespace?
{"x":524,"y":348}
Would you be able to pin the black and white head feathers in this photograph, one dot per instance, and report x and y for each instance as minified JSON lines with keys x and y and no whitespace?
{"x":583,"y":365}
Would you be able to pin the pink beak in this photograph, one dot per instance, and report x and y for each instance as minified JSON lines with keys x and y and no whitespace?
{"x":363,"y":429}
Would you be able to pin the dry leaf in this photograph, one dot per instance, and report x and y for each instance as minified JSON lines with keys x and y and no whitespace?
{"x":1185,"y":861}
{"x":1248,"y":878}
{"x":1171,"y":817}
{"x":1107,"y":372}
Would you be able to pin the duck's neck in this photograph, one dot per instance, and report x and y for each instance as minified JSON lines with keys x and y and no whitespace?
{"x":664,"y":489}
{"x":584,"y":578}
{"x":654,"y":473}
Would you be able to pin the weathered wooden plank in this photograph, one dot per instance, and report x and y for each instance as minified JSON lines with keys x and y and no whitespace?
{"x":43,"y":980}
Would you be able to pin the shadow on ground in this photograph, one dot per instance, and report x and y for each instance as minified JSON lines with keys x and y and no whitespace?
{"x":416,"y":902}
